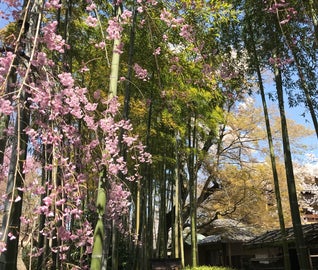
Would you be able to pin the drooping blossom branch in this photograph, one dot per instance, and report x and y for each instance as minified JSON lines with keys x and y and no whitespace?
{"x":59,"y":110}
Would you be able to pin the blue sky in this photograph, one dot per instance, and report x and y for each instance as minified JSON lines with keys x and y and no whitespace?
{"x":296,"y":114}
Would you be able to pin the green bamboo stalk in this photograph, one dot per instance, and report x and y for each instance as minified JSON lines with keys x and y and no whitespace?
{"x":193,"y":193}
{"x":275,"y":175}
{"x":99,"y":232}
{"x":272,"y":153}
{"x":302,"y":250}
{"x":115,"y":61}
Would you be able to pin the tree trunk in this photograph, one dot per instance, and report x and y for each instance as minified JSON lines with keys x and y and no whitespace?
{"x":45,"y":178}
{"x":130,"y":65}
{"x":13,"y":206}
{"x":162,"y":239}
{"x":193,"y":193}
{"x":115,"y":58}
{"x":149,"y":193}
{"x":272,"y":154}
{"x":275,"y":174}
{"x":99,"y":231}
{"x":114,"y":247}
{"x":177,"y":232}
{"x":181,"y":235}
{"x":302,"y":250}
{"x":137,"y":227}
{"x":314,"y":16}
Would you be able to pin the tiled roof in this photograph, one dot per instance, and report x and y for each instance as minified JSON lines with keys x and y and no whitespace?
{"x":274,"y":238}
{"x":226,"y":231}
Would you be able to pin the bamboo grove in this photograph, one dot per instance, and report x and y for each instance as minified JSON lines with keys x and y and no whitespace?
{"x":125,"y":124}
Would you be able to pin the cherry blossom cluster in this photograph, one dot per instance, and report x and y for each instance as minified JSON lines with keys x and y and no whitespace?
{"x":115,"y":24}
{"x":140,"y":72}
{"x":187,"y":32}
{"x":167,"y":17}
{"x":53,"y":41}
{"x":119,"y":204}
{"x":6,"y":61}
{"x":52,"y":4}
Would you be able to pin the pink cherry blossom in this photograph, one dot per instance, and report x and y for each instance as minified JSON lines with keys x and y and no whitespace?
{"x":187,"y":33}
{"x":101,"y":45}
{"x":157,"y":51}
{"x":91,"y":7}
{"x":52,"y":4}
{"x":40,"y":59}
{"x":114,"y":29}
{"x":91,"y":106}
{"x":53,"y":41}
{"x":126,"y":16}
{"x":47,"y":201}
{"x":66,"y":79}
{"x":140,"y":73}
{"x":6,"y":107}
{"x":91,"y":21}
{"x":5,"y":63}
{"x":119,"y":49}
